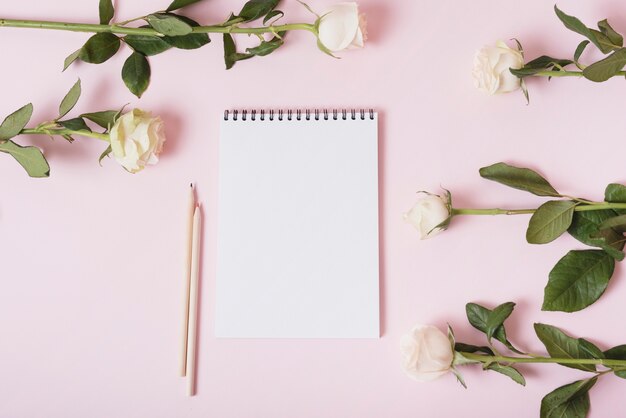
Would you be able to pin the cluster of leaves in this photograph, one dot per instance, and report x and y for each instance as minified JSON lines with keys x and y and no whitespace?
{"x":605,"y":38}
{"x":31,"y":157}
{"x":568,"y":401}
{"x":173,"y":31}
{"x":581,"y":276}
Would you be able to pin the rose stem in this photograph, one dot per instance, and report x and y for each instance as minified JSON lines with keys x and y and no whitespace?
{"x":497,"y":359}
{"x":103,"y":137}
{"x":95,"y":28}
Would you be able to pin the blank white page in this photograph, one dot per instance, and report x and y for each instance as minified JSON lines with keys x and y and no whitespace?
{"x":298,"y":228}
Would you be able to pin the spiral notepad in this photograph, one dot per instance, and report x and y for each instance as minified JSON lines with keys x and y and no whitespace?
{"x":298,"y":225}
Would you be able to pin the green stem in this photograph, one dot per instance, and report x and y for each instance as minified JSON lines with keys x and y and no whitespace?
{"x":569,"y":74}
{"x":497,"y":211}
{"x":44,"y":131}
{"x":123,"y":30}
{"x":483,"y":358}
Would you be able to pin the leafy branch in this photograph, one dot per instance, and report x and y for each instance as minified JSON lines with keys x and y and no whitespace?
{"x":164,"y":29}
{"x":568,"y":401}
{"x":31,"y":157}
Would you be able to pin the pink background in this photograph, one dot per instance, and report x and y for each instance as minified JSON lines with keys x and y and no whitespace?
{"x":91,"y":258}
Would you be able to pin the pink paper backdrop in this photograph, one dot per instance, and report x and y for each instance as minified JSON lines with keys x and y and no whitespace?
{"x":91,"y":258}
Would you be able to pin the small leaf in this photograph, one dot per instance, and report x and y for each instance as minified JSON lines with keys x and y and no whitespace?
{"x":613,"y":36}
{"x":191,"y":41}
{"x":617,"y":353}
{"x":70,"y":59}
{"x":587,"y":227}
{"x":267,"y":47}
{"x":104,"y":119}
{"x":179,"y":4}
{"x":579,"y":50}
{"x":231,"y":56}
{"x":478,"y":315}
{"x":459,"y":377}
{"x":75,"y":124}
{"x":578,"y":280}
{"x":615,"y":193}
{"x":537,"y":65}
{"x":15,"y":122}
{"x":99,"y":48}
{"x":598,"y":38}
{"x":550,"y":221}
{"x":70,"y":99}
{"x":519,"y":178}
{"x":497,"y":317}
{"x":106,"y":153}
{"x":608,"y":67}
{"x":147,"y":45}
{"x":169,"y":24}
{"x":31,"y":158}
{"x":509,"y":371}
{"x":468,"y":348}
{"x":106,"y":11}
{"x":136,"y":73}
{"x":561,"y":345}
{"x":569,"y":401}
{"x":271,"y":15}
{"x":254,"y":9}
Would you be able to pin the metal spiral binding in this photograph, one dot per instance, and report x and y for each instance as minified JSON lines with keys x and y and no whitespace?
{"x":325,"y":114}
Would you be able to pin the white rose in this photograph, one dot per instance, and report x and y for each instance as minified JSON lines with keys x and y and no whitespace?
{"x":491,"y":68}
{"x":341,"y":27}
{"x":427,"y":353}
{"x":137,"y":140}
{"x":428,"y":213}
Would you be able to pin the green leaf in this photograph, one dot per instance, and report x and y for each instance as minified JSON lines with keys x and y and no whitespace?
{"x":618,"y":222}
{"x":70,"y":59}
{"x":179,"y":4}
{"x":231,"y":56}
{"x":587,"y":227}
{"x":578,"y":280}
{"x":75,"y":124}
{"x":104,"y":119}
{"x":105,"y":153}
{"x":614,"y":37}
{"x":169,"y":24}
{"x":267,"y":47}
{"x":147,"y":45}
{"x":497,"y":317}
{"x":15,"y":122}
{"x":254,"y":9}
{"x":550,"y":221}
{"x":106,"y":11}
{"x":191,"y":41}
{"x":99,"y":48}
{"x":540,"y":64}
{"x":608,"y":67}
{"x":617,"y":353}
{"x":271,"y":15}
{"x":509,"y":371}
{"x":468,"y":348}
{"x":70,"y":99}
{"x":561,"y":345}
{"x":579,"y":50}
{"x":31,"y":158}
{"x":478,"y":316}
{"x":569,"y":401}
{"x":136,"y":73}
{"x":615,"y":193}
{"x":599,"y":39}
{"x":519,"y":178}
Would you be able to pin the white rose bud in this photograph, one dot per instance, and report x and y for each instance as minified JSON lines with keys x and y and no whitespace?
{"x":341,"y":27}
{"x":491,"y":68}
{"x":428,"y":213}
{"x":137,"y":140}
{"x":427,"y":353}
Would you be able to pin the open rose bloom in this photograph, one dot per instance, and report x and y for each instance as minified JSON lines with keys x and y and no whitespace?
{"x":492,"y":65}
{"x":342,"y":27}
{"x":427,"y":353}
